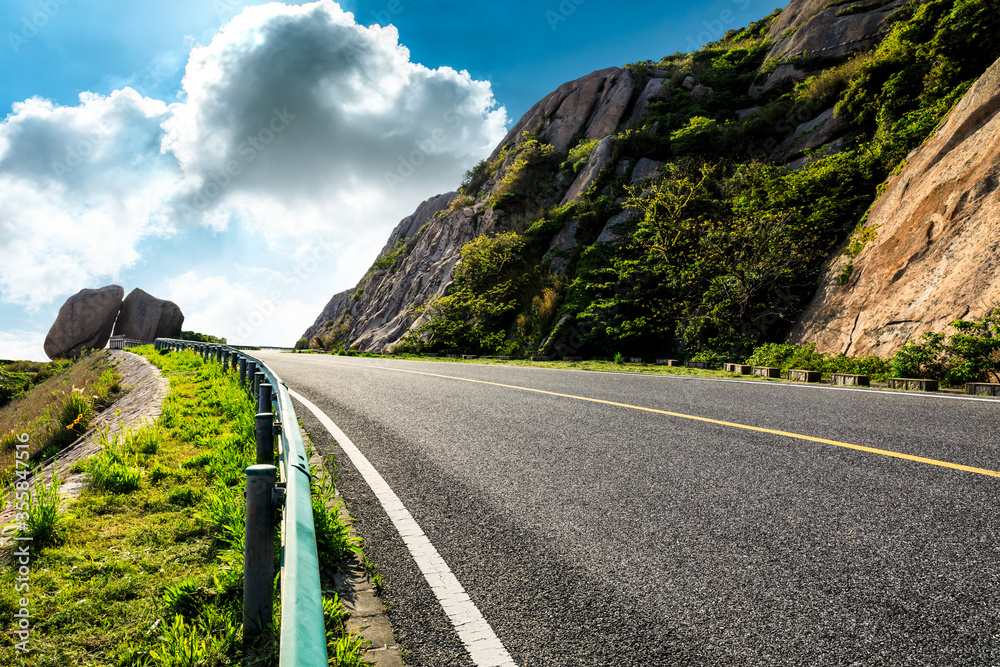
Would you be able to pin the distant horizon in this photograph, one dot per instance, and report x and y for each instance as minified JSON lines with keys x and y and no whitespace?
{"x":248,"y":160}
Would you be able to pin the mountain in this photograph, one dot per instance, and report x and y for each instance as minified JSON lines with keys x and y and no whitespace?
{"x":692,"y":205}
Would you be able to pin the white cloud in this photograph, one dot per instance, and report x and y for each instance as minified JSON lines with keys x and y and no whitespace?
{"x":299,"y":110}
{"x":295,"y":122}
{"x":79,"y":187}
{"x":16,"y":345}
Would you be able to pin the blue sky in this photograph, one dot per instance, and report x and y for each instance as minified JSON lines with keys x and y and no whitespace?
{"x":132,"y":186}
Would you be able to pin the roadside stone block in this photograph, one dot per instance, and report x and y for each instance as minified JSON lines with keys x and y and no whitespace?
{"x":698,"y":364}
{"x":848,"y":380}
{"x":572,"y":358}
{"x":982,"y":389}
{"x":469,"y":356}
{"x":635,"y":360}
{"x":667,"y":362}
{"x":766,"y":371}
{"x":912,"y":384}
{"x":799,"y":375}
{"x":541,"y":357}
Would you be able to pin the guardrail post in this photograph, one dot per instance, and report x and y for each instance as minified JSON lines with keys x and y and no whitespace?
{"x":234,"y":359}
{"x":251,"y":373}
{"x":258,"y":551}
{"x":243,"y":370}
{"x":264,"y":428}
{"x":258,"y":379}
{"x":264,"y":397}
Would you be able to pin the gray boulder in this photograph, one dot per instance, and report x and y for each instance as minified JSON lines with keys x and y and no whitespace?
{"x":84,"y":322}
{"x":144,"y":317}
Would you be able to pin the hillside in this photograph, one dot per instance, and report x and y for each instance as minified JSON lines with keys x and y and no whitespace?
{"x":686,"y":206}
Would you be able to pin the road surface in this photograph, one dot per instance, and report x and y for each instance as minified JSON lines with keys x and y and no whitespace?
{"x":625,"y":519}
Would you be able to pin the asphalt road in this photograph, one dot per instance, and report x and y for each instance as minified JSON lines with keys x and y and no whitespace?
{"x":596,"y":534}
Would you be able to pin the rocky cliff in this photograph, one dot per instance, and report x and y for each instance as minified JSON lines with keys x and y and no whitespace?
{"x":418,"y":261}
{"x":936,"y":253}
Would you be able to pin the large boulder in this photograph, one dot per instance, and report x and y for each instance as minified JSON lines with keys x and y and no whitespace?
{"x":936,"y":256}
{"x":84,"y":322}
{"x":146,"y":318}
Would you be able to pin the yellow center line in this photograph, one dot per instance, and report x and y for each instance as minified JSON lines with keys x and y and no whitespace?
{"x":787,"y":434}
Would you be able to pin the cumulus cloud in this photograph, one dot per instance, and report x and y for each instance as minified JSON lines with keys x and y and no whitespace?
{"x":80,"y":187}
{"x":303,"y":110}
{"x":294,"y":122}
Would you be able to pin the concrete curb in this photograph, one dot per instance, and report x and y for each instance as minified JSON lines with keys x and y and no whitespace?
{"x":368,"y":617}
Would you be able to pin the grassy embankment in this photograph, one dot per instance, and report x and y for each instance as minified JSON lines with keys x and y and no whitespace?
{"x":54,"y":403}
{"x":145,"y":568}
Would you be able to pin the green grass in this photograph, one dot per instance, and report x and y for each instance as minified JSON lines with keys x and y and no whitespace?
{"x":151,"y":573}
{"x":56,"y":411}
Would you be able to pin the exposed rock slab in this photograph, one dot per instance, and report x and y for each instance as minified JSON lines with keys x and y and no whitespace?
{"x":85,"y":321}
{"x":655,"y":88}
{"x":822,"y":29}
{"x":645,"y":170}
{"x":144,"y":317}
{"x":593,"y":105}
{"x":600,"y":158}
{"x":816,"y":133}
{"x":936,"y":257}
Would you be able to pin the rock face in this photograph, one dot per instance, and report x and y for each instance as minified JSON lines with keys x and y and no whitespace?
{"x":936,"y":257}
{"x":381,"y":309}
{"x":85,"y":321}
{"x":594,"y":104}
{"x":599,"y":160}
{"x":144,"y":317}
{"x":822,"y":28}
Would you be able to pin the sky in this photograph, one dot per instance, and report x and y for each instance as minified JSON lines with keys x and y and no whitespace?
{"x":248,"y":160}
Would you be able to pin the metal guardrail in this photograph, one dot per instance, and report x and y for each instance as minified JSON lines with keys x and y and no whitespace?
{"x":302,"y":640}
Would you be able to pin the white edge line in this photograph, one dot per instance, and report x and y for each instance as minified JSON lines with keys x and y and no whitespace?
{"x":485,"y":648}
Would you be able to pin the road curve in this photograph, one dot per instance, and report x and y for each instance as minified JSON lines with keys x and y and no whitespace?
{"x":605,"y":518}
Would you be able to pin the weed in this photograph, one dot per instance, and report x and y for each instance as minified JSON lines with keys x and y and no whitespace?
{"x":45,"y":524}
{"x":183,"y":598}
{"x":114,"y":469}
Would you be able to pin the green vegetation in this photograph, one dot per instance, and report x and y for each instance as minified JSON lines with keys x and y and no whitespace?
{"x":971,"y":353}
{"x":200,"y":337}
{"x":389,"y":260}
{"x":151,"y":572}
{"x":18,"y":377}
{"x":57,"y":411}
{"x":727,"y":244}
